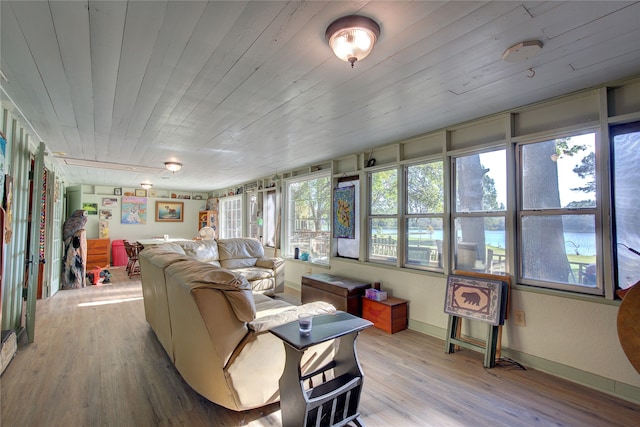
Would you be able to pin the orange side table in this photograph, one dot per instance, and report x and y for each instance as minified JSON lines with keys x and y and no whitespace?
{"x":389,"y":315}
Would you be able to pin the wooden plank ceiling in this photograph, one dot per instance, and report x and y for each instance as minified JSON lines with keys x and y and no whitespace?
{"x":237,"y":90}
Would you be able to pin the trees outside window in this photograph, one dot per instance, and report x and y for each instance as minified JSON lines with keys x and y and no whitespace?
{"x":480,"y":212}
{"x":308,"y":217}
{"x":383,"y":216}
{"x":558,"y":209}
{"x":424,"y":215}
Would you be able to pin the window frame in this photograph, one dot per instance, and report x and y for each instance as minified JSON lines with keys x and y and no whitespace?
{"x":407,"y":216}
{"x":521,"y":212}
{"x":375,"y":216}
{"x":484,"y":213}
{"x":224,"y":209}
{"x":287,"y":247}
{"x":618,"y":247}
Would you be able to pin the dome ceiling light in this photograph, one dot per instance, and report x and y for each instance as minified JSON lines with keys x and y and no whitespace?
{"x":173,"y":166}
{"x":352,"y":37}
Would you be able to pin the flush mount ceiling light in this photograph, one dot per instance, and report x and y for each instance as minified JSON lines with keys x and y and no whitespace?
{"x":352,"y":37}
{"x":146,"y":185}
{"x":521,"y":51}
{"x":173,"y":166}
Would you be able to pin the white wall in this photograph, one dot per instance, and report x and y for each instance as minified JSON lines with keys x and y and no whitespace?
{"x":187,"y":229}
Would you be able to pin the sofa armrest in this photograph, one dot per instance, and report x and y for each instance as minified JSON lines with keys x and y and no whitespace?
{"x":265,"y":323}
{"x":273,"y":263}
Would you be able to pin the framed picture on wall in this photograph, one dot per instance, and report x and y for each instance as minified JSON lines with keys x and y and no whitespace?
{"x":117,"y":191}
{"x":109,"y":201}
{"x":169,"y":211}
{"x":141,"y":192}
{"x":91,"y":208}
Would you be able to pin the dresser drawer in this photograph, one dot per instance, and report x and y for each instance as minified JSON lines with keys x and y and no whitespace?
{"x":97,"y":253}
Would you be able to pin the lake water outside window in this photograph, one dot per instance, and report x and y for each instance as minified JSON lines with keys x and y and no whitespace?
{"x":424,"y":215}
{"x":480,"y":212}
{"x":383,"y":216}
{"x":557,"y":214}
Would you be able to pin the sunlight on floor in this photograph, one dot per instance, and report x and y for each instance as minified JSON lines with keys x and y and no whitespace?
{"x":112,"y":301}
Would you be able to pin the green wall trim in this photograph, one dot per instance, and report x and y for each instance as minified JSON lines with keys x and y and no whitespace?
{"x":588,"y":379}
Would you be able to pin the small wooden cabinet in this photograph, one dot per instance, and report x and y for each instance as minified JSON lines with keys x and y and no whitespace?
{"x":345,"y":294}
{"x":97,"y":253}
{"x":389,"y":315}
{"x":208,"y":219}
{"x":332,"y":403}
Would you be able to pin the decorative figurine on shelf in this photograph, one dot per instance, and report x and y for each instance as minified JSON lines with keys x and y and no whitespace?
{"x":74,"y":257}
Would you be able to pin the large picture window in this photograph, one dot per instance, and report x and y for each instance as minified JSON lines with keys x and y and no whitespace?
{"x":383,"y":216}
{"x":424,"y":215}
{"x":308,"y":217}
{"x":480,"y":212}
{"x":558,"y":213}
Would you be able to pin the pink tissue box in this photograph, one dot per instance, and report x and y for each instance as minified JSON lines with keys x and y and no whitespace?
{"x":375,"y":295}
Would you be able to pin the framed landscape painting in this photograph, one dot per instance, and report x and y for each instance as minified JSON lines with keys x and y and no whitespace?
{"x":169,"y":211}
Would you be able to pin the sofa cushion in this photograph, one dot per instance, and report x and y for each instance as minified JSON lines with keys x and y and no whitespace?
{"x":266,"y":306}
{"x":202,"y":250}
{"x":255,"y":273}
{"x":290,"y":314}
{"x":196,"y":275}
{"x":272,"y":263}
{"x":239,"y":253}
{"x":166,"y":248}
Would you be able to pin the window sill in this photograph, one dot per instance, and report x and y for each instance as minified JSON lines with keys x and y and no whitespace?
{"x":314,"y":263}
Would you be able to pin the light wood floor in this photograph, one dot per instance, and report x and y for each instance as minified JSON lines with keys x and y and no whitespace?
{"x":96,"y":362}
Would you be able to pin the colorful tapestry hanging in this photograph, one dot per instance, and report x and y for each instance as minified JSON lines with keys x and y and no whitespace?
{"x":344,"y":212}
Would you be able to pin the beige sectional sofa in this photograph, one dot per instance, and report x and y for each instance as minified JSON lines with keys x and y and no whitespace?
{"x":215,"y":328}
{"x":242,"y":255}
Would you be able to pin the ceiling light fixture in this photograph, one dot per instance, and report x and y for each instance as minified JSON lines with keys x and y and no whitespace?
{"x":146,"y":185}
{"x":173,"y":166}
{"x":352,"y":37}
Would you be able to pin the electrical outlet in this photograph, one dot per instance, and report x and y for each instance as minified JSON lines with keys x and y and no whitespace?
{"x":518,"y":317}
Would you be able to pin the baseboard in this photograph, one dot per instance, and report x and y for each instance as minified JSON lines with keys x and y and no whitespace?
{"x":605,"y":385}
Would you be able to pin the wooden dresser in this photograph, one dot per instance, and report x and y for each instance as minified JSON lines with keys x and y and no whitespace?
{"x":97,"y":253}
